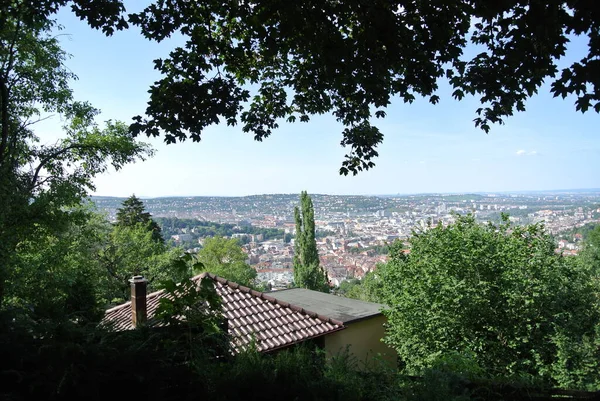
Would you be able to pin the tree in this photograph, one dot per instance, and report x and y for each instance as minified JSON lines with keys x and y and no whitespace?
{"x":499,"y":293}
{"x":56,"y":275}
{"x":79,"y":268}
{"x":40,"y":182}
{"x":307,"y":272}
{"x":133,"y":212}
{"x":226,"y":258}
{"x":347,"y":58}
{"x":350,"y":58}
{"x":369,"y":288}
{"x":590,"y":254}
{"x":131,"y":251}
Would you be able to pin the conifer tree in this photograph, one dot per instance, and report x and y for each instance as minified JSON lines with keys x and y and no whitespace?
{"x":307,"y":272}
{"x":133,"y":212}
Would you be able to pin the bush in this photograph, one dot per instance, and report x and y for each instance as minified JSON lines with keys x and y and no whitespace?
{"x":499,"y":293}
{"x":64,"y":361}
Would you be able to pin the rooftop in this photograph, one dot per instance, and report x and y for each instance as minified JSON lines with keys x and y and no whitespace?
{"x":250,"y":314}
{"x":346,"y":310}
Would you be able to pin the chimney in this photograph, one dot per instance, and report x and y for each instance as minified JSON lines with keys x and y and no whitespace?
{"x":138,"y":300}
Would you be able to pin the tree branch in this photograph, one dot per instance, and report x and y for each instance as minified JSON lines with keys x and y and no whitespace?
{"x":27,"y":123}
{"x":3,"y":119}
{"x":42,"y":182}
{"x":53,"y":155}
{"x":4,"y":95}
{"x":11,"y":52}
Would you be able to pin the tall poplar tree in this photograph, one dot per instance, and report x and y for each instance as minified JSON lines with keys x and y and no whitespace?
{"x":307,"y":272}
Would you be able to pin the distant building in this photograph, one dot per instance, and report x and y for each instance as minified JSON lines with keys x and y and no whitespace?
{"x":181,"y":237}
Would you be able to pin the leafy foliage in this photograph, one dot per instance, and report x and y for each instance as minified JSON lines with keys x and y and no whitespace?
{"x":133,"y":212}
{"x":225,"y":258}
{"x":39,"y":183}
{"x":369,"y":288}
{"x":79,"y":267}
{"x":55,"y":274}
{"x":62,"y":362}
{"x":307,"y":272}
{"x":195,"y":307}
{"x":131,"y":251}
{"x":500,"y":293}
{"x":590,"y":253}
{"x":376,"y":249}
{"x":259,"y":63}
{"x":171,"y":225}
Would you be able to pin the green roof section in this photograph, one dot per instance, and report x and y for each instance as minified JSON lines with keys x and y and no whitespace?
{"x":346,"y":310}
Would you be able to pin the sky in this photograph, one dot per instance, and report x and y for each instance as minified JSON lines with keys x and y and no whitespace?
{"x":426,"y":148}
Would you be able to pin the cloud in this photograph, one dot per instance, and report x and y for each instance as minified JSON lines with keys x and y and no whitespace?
{"x":522,"y":152}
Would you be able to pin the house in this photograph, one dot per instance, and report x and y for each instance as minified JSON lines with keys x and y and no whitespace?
{"x":363,"y":323}
{"x":274,"y":320}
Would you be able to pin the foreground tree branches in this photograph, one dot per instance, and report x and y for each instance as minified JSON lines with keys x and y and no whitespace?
{"x":349,"y":58}
{"x":39,"y":182}
{"x":346,"y":58}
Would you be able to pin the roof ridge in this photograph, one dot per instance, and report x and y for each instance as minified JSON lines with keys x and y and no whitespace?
{"x":268,"y":298}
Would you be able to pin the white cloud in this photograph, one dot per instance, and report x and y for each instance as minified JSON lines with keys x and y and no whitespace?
{"x":523,"y":152}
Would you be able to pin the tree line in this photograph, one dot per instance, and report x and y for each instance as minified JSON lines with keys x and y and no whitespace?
{"x":198,"y":229}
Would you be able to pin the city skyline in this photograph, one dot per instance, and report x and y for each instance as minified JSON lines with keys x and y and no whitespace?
{"x":426,"y":149}
{"x":391,"y":195}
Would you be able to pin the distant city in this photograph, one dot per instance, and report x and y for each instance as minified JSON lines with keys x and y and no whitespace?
{"x":354,"y":231}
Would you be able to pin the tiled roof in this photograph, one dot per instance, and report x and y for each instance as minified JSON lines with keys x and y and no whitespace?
{"x":250,"y":315}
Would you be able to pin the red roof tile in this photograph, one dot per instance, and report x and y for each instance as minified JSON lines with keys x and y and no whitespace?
{"x":250,"y":315}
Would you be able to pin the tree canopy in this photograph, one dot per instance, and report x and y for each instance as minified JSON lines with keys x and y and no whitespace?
{"x":41,"y":182}
{"x":133,"y":212}
{"x":262,"y":62}
{"x":590,"y":253}
{"x":225,"y":258}
{"x":350,"y":58}
{"x":499,"y":293}
{"x":369,"y":288}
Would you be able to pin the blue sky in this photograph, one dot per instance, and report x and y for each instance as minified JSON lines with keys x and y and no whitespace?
{"x":426,"y":148}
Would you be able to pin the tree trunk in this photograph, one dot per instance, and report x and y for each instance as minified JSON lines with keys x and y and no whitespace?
{"x":3,"y":120}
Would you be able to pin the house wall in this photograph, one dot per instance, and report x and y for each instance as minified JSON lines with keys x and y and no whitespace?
{"x":364,"y":341}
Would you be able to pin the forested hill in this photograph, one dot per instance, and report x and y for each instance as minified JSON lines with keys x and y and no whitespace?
{"x":173,"y":226}
{"x":211,"y":207}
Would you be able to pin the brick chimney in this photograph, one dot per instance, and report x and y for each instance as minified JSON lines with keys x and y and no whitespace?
{"x":138,"y":300}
